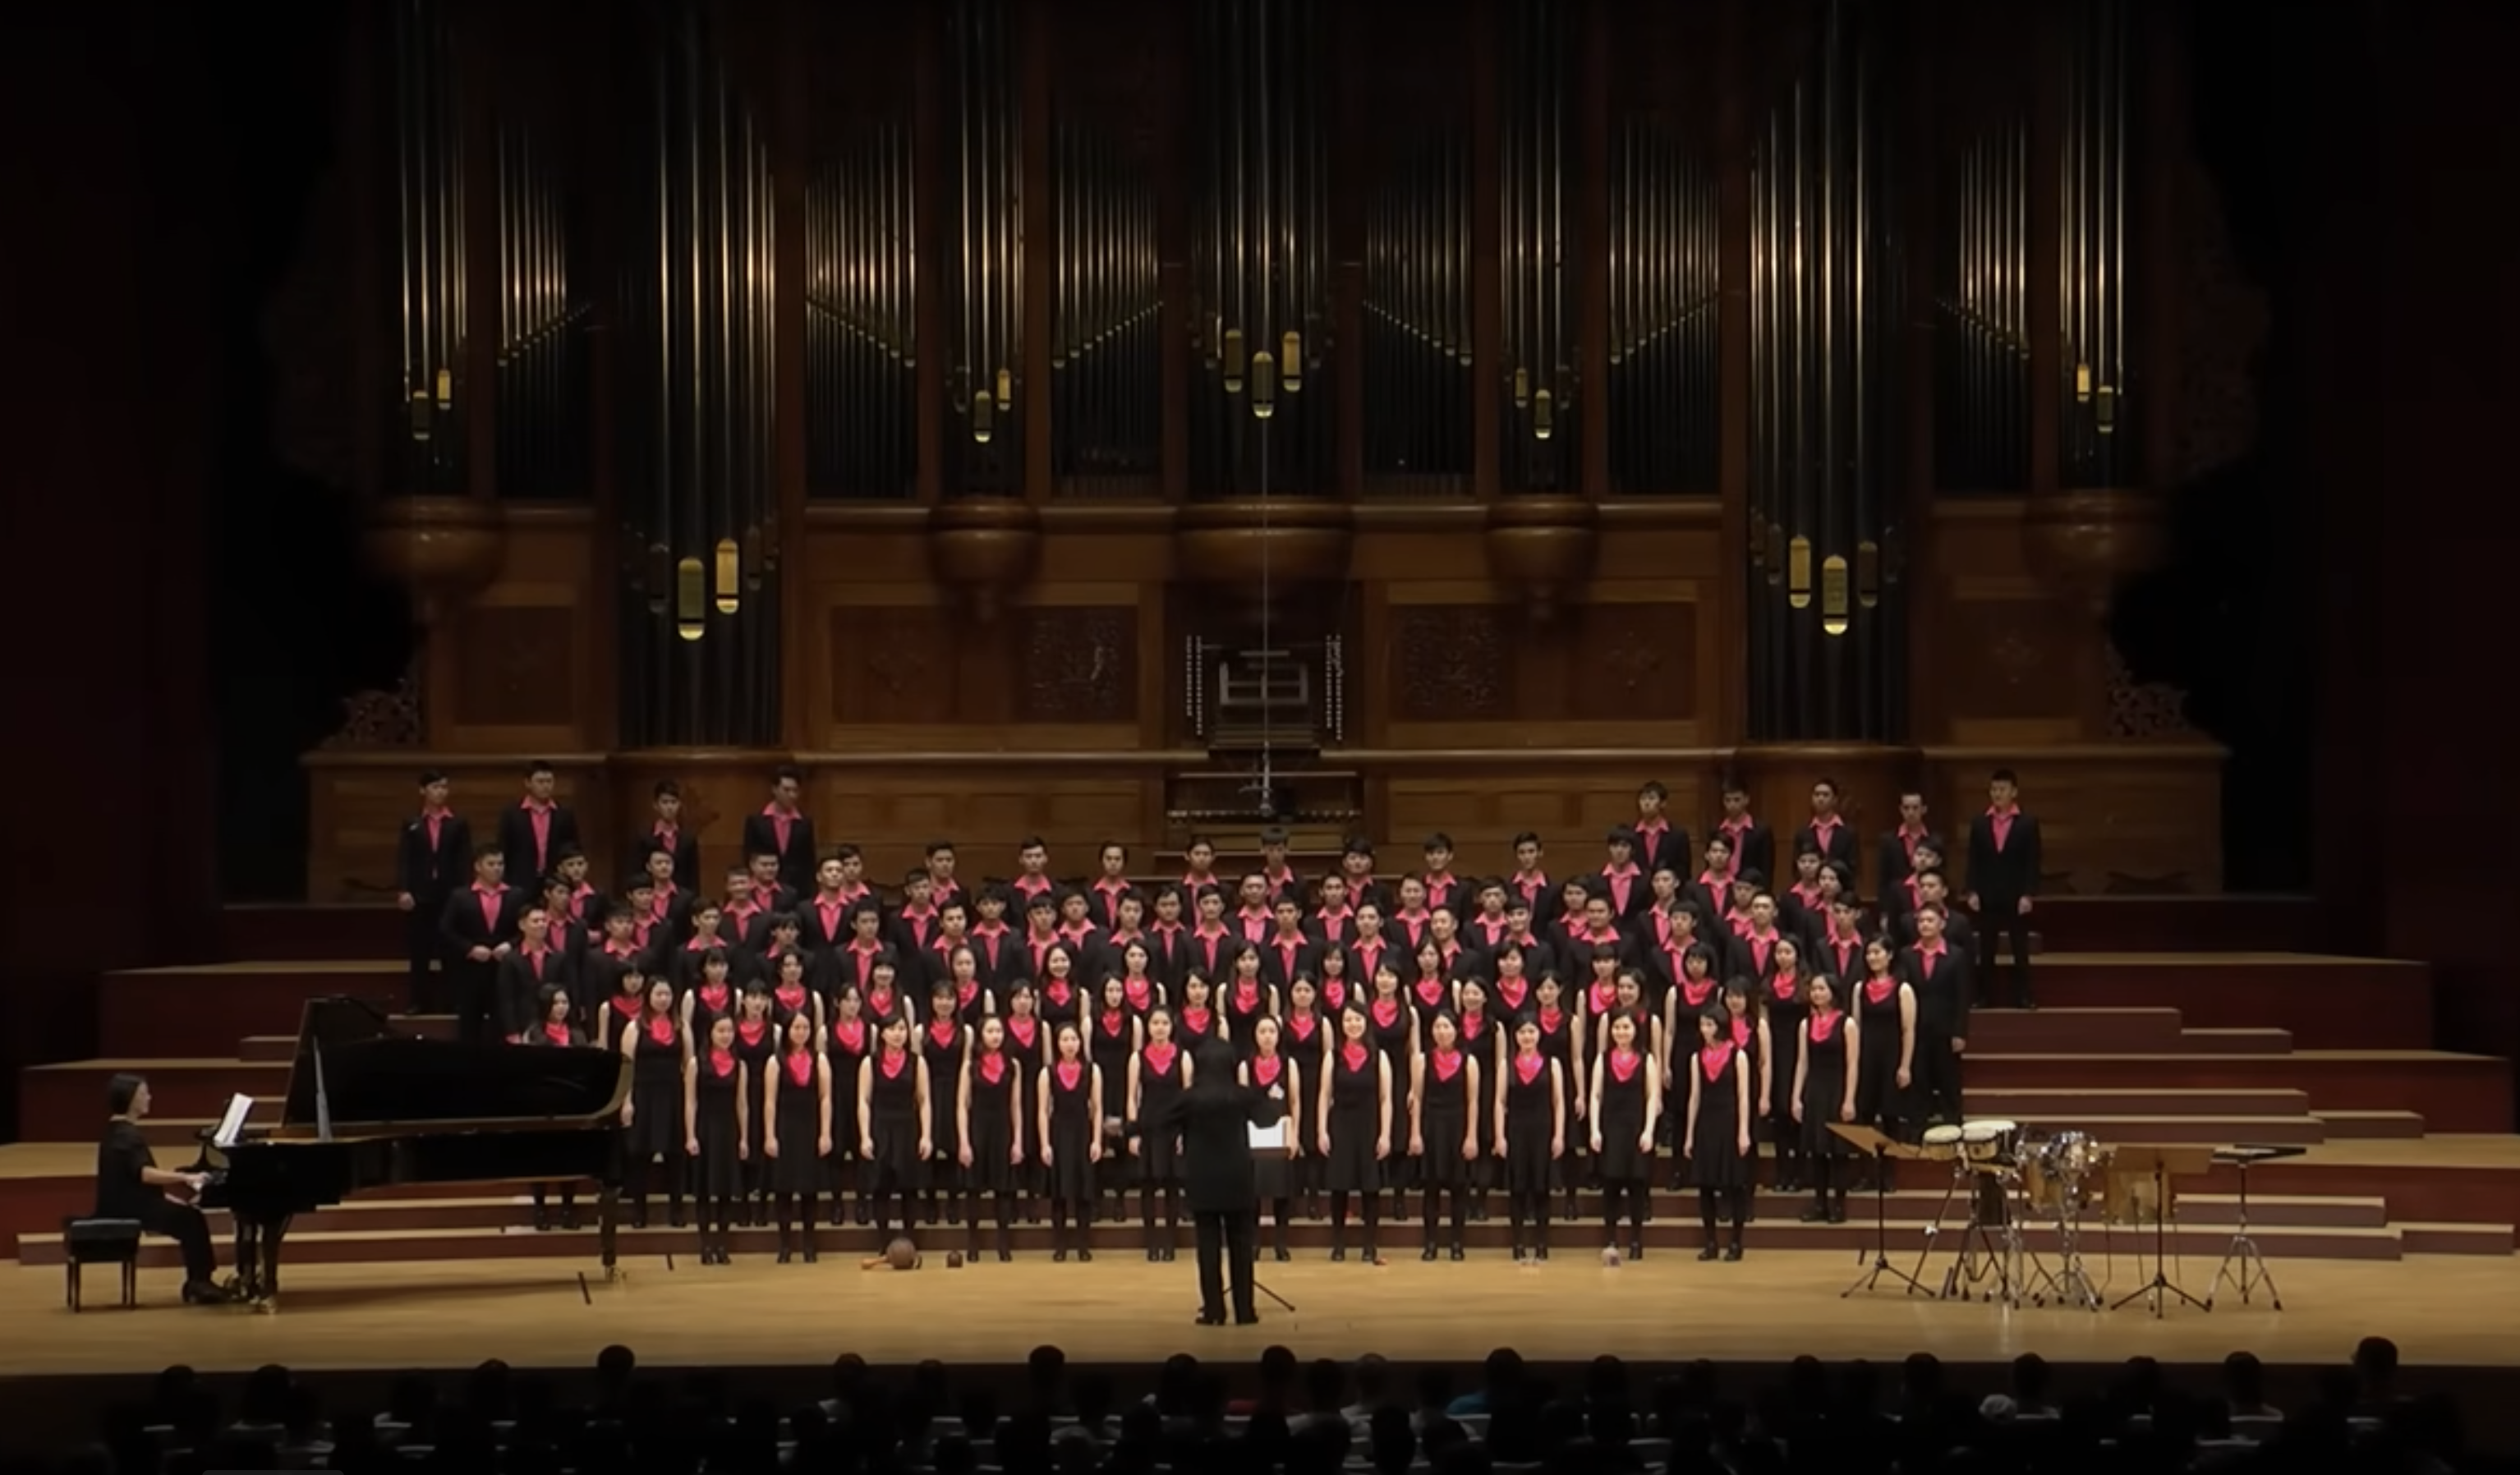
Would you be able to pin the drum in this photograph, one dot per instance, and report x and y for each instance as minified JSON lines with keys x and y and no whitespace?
{"x":1942,"y":1144}
{"x":2054,"y":1195}
{"x":2076,"y":1156}
{"x":1990,"y":1139}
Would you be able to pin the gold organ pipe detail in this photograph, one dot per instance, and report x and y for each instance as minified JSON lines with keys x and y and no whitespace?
{"x":729,"y":576}
{"x":1798,"y":573}
{"x":1833,"y":618}
{"x":691,"y":598}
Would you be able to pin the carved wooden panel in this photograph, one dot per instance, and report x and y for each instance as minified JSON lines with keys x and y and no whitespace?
{"x":516,"y":666}
{"x":2009,"y":660}
{"x":1450,"y":663}
{"x":1076,"y":664}
{"x":892,"y":664}
{"x":1634,"y":662}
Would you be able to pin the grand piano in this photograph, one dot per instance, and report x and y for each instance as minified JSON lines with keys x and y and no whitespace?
{"x":371,"y":1108}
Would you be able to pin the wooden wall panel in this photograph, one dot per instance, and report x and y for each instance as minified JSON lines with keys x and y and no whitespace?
{"x":520,"y":666}
{"x":2114,"y":818}
{"x":2014,"y":661}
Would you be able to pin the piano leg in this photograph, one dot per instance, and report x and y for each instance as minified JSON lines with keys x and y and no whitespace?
{"x":607,"y":1222}
{"x":266,"y":1292}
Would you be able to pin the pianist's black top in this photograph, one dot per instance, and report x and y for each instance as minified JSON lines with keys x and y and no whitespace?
{"x":119,"y":1158}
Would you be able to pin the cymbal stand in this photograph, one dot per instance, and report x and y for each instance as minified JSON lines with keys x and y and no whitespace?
{"x":1999,"y":1243}
{"x":2244,"y":1264}
{"x":2070,"y":1284}
{"x":1881,"y":1265}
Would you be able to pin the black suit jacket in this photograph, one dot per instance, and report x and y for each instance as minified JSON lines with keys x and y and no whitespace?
{"x":1755,"y":849}
{"x":796,"y":860}
{"x":2009,"y":875}
{"x":1840,"y":848}
{"x":520,"y":990}
{"x":1215,"y":1118}
{"x":1942,"y":1000}
{"x":465,"y":929}
{"x":1893,"y":865}
{"x":686,"y":851}
{"x":1667,"y":847}
{"x":516,"y":839}
{"x":429,"y":874}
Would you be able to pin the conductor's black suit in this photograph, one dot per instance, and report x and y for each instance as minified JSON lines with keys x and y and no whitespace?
{"x":1215,"y":1117}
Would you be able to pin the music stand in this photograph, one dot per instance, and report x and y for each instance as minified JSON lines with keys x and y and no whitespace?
{"x":2244,"y":1264}
{"x":2159,"y":1163}
{"x":1884,"y":1149}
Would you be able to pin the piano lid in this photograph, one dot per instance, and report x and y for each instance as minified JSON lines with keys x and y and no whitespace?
{"x":375,"y":1075}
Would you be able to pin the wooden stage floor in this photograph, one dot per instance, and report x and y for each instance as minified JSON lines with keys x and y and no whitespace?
{"x":2449,"y":1312}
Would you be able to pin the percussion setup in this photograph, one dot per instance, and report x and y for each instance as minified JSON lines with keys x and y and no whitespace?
{"x":2006,"y":1182}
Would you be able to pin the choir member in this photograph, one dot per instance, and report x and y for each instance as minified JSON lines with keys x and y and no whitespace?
{"x":716,"y":1114}
{"x":564,"y":934}
{"x":1335,"y":989}
{"x":962,"y":979}
{"x":1288,"y":950}
{"x":1781,"y":995}
{"x":1826,"y":832}
{"x":1626,"y":1101}
{"x":1407,"y":924}
{"x":852,"y":962}
{"x":711,"y":995}
{"x":1333,"y":923}
{"x":665,"y":834}
{"x":1443,"y":1135}
{"x":743,"y":915}
{"x":993,"y":943}
{"x":1531,"y":1099}
{"x":1210,"y":944}
{"x":850,"y":1039}
{"x":1430,"y":991}
{"x":1933,"y":889}
{"x":944,"y":1044}
{"x":1512,"y":983}
{"x":1393,"y":1029}
{"x":524,"y":970}
{"x":1102,"y":896}
{"x":893,"y":1124}
{"x":1710,"y":891}
{"x":1027,"y":1041}
{"x":1621,"y":881}
{"x":430,"y":861}
{"x":1940,"y":976}
{"x":1530,"y":881}
{"x":1199,"y":873}
{"x":796,"y":1106}
{"x":1269,"y":1068}
{"x":1752,"y":846}
{"x":1826,"y":1069}
{"x":1562,"y":1039}
{"x":1897,"y":854}
{"x":1253,"y":917}
{"x":533,"y":833}
{"x":1717,"y":1142}
{"x":791,"y":994}
{"x":480,"y":925}
{"x":823,"y":920}
{"x":1032,"y":869}
{"x":1251,"y":994}
{"x":756,"y":1045}
{"x":1886,"y":1009}
{"x":886,"y":998}
{"x":1484,"y":1039}
{"x":1356,"y":870}
{"x":1197,"y":1021}
{"x":1800,"y":907}
{"x":555,"y":1026}
{"x":1167,"y":938}
{"x":1070,"y":1116}
{"x":1275,"y":869}
{"x":1352,"y":1115}
{"x":624,"y":984}
{"x":1368,"y":949}
{"x":684,"y":963}
{"x":1118,"y":1032}
{"x":1159,"y":1072}
{"x":941,"y":861}
{"x":2003,"y":870}
{"x":1076,"y":924}
{"x":1745,"y":1023}
{"x":583,"y":901}
{"x":989,"y":1108}
{"x":1840,"y":945}
{"x":783,"y":830}
{"x":916,"y":919}
{"x":1064,"y":999}
{"x":669,"y":904}
{"x":1659,"y":842}
{"x":653,"y":1135}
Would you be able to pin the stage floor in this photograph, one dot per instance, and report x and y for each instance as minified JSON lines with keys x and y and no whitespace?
{"x":2441,"y":1311}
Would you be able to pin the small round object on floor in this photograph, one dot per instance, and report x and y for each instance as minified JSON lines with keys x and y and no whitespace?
{"x":952,"y":1259}
{"x":901,"y":1254}
{"x":1609,"y":1257}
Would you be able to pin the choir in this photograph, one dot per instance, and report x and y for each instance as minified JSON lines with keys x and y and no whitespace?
{"x":966,"y":1052}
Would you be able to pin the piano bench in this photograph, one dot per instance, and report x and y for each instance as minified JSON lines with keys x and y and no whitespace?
{"x":101,"y":1241}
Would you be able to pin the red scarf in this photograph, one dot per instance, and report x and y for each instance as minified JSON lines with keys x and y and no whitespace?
{"x":1448,"y":1064}
{"x":1713,"y":1057}
{"x":1161,"y":1054}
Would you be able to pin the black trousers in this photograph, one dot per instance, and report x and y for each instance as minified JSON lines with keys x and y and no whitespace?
{"x":1226,"y":1239}
{"x":1935,"y":1074}
{"x":184,"y":1224}
{"x":2002,"y":918}
{"x":424,"y":947}
{"x":475,"y":987}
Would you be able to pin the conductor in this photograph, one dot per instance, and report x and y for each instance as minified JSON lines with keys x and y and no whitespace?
{"x":1215,"y":1118}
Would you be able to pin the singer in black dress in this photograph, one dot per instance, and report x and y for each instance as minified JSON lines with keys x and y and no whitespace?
{"x":894,"y":1124}
{"x":1886,"y":1009}
{"x":991,"y":1110}
{"x":849,"y":1042}
{"x":1392,"y":1029}
{"x":1442,"y":1135}
{"x":1824,"y":1082}
{"x":1626,"y":1098}
{"x":1531,"y":1134}
{"x":1070,"y":1112}
{"x":1780,"y":994}
{"x":1353,"y":1110}
{"x":1717,"y":1143}
{"x":943,"y":1044}
{"x":715,"y":1107}
{"x":1271,"y":1068}
{"x":796,"y":1102}
{"x":1159,"y":1073}
{"x":1027,"y":1047}
{"x":652,"y":1120}
{"x":756,"y":1045}
{"x":556,"y":1011}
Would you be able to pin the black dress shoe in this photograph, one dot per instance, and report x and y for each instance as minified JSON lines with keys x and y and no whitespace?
{"x":1208,"y":1319}
{"x":1085,"y":1257}
{"x":568,"y":1217}
{"x":1247,"y":1318}
{"x":1709,"y":1253}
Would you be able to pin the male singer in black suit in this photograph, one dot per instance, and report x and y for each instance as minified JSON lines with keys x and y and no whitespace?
{"x":534,"y":831}
{"x":1215,"y":1118}
{"x":1939,"y":976}
{"x":666,"y":832}
{"x":783,"y":830}
{"x":480,"y":927}
{"x":2003,"y":867}
{"x":1897,"y":852}
{"x":429,"y":859}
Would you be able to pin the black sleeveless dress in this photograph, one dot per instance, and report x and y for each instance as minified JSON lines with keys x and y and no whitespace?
{"x":1823,"y":1083}
{"x":1786,"y":1012}
{"x":1355,"y":1122}
{"x":1718,"y":1161}
{"x":995,"y":1110}
{"x":892,"y":1120}
{"x":1623,"y":1117}
{"x":1878,"y":1100}
{"x":721,"y":1078}
{"x":851,"y":1041}
{"x":1272,"y":1170}
{"x":1530,"y":1119}
{"x":1159,"y":1085}
{"x":1243,"y":1013}
{"x":1025,"y":1053}
{"x":758,"y":1051}
{"x":800,"y":1166}
{"x":1072,"y":1128}
{"x":942,"y":1044}
{"x":1391,"y":1036}
{"x":1443,"y":1116}
{"x":656,"y":1091}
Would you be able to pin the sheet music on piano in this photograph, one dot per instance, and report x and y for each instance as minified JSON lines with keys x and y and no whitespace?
{"x":232,"y":1123}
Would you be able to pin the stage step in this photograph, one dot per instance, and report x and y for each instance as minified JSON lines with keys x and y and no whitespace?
{"x":283,"y":1048}
{"x":2350,"y":1124}
{"x":165,"y":1011}
{"x":2060,"y":1104}
{"x":2326,"y":1002}
{"x":2451,"y":1092}
{"x":53,"y":1099}
{"x":310,"y":930}
{"x":1576,"y":1242}
{"x":2433,"y":1238}
{"x":2074,"y":1030}
{"x":2180,"y":924}
{"x":2184,"y":1130}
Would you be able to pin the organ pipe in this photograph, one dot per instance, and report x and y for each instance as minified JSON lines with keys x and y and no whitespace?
{"x":1825,"y":319}
{"x":544,"y":308}
{"x":2093,"y":440}
{"x":1665,"y":287}
{"x":1105,"y":359}
{"x":1537,"y":267}
{"x":983,"y":379}
{"x":861,"y":315}
{"x":1417,"y":319}
{"x":1982,"y":315}
{"x":428,"y":196}
{"x":699,"y":488}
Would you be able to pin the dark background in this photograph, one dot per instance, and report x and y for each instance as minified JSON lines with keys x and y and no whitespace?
{"x":192,"y":611}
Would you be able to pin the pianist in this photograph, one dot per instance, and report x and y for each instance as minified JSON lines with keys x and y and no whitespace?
{"x":129,"y":1184}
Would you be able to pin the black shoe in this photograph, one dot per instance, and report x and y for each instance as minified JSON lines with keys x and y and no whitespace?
{"x":1085,"y":1257}
{"x":205,"y":1293}
{"x":1338,"y":1253}
{"x":1635,"y":1249}
{"x":675,"y":1218}
{"x":1816,"y":1214}
{"x":1208,"y":1319}
{"x":1710,"y":1252}
{"x":1457,"y":1250}
{"x":568,"y":1217}
{"x":1004,"y":1257}
{"x":1428,"y":1254}
{"x":1169,"y":1253}
{"x":785,"y":1255}
{"x":1058,"y":1257}
{"x":809,"y":1252}
{"x":1247,"y":1318}
{"x":542,"y":1221}
{"x":638,"y":1216}
{"x":1732,"y":1251}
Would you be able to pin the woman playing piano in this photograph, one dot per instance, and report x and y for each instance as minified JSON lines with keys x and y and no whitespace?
{"x":652,"y":1120}
{"x":556,"y":1028}
{"x":796,"y":1106}
{"x":716,"y":1110}
{"x":129,"y":1184}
